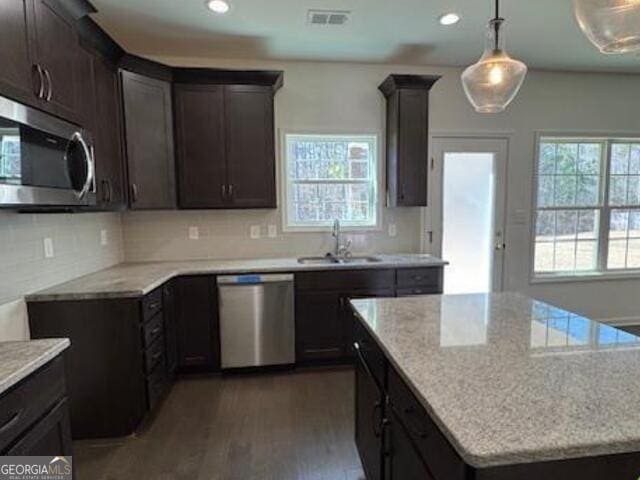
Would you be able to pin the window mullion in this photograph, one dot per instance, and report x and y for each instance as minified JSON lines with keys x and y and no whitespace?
{"x":605,"y":211}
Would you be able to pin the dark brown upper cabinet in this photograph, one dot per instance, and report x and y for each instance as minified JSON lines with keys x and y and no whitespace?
{"x":407,"y":138}
{"x":149,"y":142}
{"x":225,"y":140}
{"x":108,"y":137}
{"x":39,"y":51}
{"x":16,"y":80}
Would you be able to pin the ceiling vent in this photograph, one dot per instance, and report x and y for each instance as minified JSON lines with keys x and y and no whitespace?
{"x":334,"y":18}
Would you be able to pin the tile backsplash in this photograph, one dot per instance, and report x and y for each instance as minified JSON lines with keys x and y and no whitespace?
{"x":192,"y":235}
{"x":80,"y":244}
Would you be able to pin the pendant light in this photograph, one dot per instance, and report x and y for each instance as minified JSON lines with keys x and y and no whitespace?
{"x":493,"y":82}
{"x":612,"y":25}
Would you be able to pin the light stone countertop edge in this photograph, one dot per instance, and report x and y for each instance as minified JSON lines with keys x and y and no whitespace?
{"x":105,"y":284}
{"x":28,"y":357}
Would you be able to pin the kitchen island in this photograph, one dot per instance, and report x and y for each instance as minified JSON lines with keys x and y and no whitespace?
{"x":496,"y":386}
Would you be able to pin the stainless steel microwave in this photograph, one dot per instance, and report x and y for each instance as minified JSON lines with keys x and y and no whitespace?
{"x":44,"y":161}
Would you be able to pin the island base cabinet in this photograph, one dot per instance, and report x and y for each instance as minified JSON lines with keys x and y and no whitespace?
{"x":369,"y":430}
{"x":404,"y":461}
{"x":51,"y":436}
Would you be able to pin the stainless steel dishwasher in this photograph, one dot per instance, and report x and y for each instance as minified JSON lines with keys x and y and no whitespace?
{"x":257,"y":326}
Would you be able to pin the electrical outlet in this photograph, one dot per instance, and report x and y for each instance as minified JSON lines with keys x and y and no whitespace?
{"x":393,"y":230}
{"x":254,"y":232}
{"x":194,"y":233}
{"x":104,"y":238}
{"x":48,"y":248}
{"x":273,"y":231}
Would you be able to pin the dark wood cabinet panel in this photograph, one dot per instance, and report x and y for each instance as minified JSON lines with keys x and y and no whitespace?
{"x":319,"y":326}
{"x":50,"y":436}
{"x":149,"y":142}
{"x":16,"y":74}
{"x":201,"y":155}
{"x":369,"y":414}
{"x":407,"y":138}
{"x":250,"y":150}
{"x":346,"y":280}
{"x":197,"y":323}
{"x":405,"y":462}
{"x":106,"y":362}
{"x":107,"y":137}
{"x":56,"y":50}
{"x":170,"y":326}
{"x":86,"y":91}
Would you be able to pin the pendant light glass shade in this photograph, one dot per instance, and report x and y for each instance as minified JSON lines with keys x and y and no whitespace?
{"x":612,"y":25}
{"x":493,"y":82}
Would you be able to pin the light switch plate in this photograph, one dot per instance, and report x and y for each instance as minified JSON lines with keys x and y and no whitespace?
{"x":254,"y":232}
{"x":393,"y":230}
{"x":273,"y":231}
{"x":194,"y":233}
{"x":104,"y":238}
{"x":48,"y":248}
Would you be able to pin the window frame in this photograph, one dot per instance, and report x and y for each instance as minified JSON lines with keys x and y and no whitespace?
{"x":288,"y":224}
{"x":602,"y":272}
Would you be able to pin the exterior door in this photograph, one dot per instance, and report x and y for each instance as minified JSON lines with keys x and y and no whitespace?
{"x":468,"y":211}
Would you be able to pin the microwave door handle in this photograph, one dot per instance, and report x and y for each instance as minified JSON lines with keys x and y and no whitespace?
{"x":88,"y":157}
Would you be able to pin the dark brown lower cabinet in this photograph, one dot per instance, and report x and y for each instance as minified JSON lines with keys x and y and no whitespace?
{"x":369,"y":428}
{"x":34,"y":414}
{"x":319,"y":331}
{"x":197,"y":323}
{"x":404,"y":462}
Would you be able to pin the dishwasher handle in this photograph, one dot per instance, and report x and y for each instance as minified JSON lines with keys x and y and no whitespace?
{"x":254,"y":279}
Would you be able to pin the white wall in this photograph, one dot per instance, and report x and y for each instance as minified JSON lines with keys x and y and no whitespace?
{"x":344,"y":97}
{"x":24,"y":268}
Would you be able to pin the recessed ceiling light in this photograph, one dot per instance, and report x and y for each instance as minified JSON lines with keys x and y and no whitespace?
{"x":449,"y":19}
{"x":218,"y":6}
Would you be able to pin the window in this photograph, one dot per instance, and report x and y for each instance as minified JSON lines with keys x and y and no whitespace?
{"x":330,"y":177}
{"x":587,"y":215}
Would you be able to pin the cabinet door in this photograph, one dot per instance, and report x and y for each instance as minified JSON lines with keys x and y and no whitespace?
{"x":368,"y":427}
{"x":249,"y":133}
{"x":346,"y":314}
{"x":149,"y":140}
{"x":56,"y":51}
{"x":201,"y":158}
{"x":197,"y":323}
{"x":51,"y":436}
{"x":107,"y":137}
{"x":85,"y":93}
{"x":16,"y":72}
{"x":319,"y":330}
{"x":413,"y":148}
{"x":405,"y":462}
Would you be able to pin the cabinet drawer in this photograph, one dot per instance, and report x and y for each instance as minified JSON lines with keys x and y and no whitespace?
{"x":153,"y":329}
{"x":407,"y":292}
{"x":154,"y":354}
{"x":152,"y":304}
{"x":442,"y":460}
{"x":419,"y":277}
{"x":29,"y":400}
{"x":370,"y":352}
{"x":345,"y":280}
{"x":157,"y":384}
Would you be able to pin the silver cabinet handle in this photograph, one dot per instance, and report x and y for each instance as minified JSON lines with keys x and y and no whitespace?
{"x":231,"y":190}
{"x":134,"y":192}
{"x":88,"y":158}
{"x":39,"y":92}
{"x":49,"y":85}
{"x":224,"y":192}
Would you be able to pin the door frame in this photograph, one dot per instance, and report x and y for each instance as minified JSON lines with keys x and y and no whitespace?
{"x":428,"y":232}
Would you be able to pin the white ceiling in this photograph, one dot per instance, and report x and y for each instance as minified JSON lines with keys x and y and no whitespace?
{"x":542,"y":33}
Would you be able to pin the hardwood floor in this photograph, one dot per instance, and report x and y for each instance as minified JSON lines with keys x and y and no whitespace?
{"x":281,"y":426}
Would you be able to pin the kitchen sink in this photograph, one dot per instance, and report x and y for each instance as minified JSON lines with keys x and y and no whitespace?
{"x":331,"y":260}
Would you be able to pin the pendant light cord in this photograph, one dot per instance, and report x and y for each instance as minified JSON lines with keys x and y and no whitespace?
{"x":496,"y":26}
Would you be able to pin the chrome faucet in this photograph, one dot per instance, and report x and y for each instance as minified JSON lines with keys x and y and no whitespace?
{"x":340,"y":250}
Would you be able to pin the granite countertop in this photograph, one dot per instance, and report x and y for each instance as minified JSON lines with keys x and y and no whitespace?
{"x":138,"y":279}
{"x":18,"y":360}
{"x":509,"y":379}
